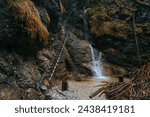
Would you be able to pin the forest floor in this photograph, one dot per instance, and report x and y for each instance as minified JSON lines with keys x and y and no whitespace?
{"x":78,"y":90}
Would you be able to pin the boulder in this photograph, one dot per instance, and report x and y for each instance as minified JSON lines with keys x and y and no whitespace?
{"x":79,"y":52}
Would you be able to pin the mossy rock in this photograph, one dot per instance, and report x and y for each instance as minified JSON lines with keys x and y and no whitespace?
{"x":116,"y":19}
{"x":21,"y":26}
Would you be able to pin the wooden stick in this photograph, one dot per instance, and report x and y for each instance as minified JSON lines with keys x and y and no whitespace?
{"x":118,"y":87}
{"x":61,"y":93}
{"x":116,"y":96}
{"x":101,"y":93}
{"x":95,"y":93}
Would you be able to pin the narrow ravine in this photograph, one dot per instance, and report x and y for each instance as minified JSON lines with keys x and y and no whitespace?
{"x":36,"y":50}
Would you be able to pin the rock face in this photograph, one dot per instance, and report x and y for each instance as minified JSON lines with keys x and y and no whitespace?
{"x":115,"y":24}
{"x":53,"y":10}
{"x":70,"y":4}
{"x":18,"y":75}
{"x":21,"y":26}
{"x":79,"y":52}
{"x":30,"y":42}
{"x":7,"y":31}
{"x":20,"y":34}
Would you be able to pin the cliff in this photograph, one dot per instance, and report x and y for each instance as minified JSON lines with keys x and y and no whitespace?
{"x":32,"y":34}
{"x":31,"y":39}
{"x":121,"y":31}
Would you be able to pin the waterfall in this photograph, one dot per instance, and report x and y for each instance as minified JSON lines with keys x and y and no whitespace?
{"x":96,"y":64}
{"x":86,"y":34}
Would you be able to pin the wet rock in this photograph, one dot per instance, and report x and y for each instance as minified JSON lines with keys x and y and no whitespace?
{"x":79,"y":52}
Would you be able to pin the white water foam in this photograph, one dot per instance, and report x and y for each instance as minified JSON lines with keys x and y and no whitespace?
{"x":96,"y":65}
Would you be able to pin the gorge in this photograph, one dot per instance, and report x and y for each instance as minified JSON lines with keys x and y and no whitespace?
{"x":101,"y":44}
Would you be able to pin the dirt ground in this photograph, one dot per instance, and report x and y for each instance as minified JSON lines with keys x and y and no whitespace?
{"x":78,"y":90}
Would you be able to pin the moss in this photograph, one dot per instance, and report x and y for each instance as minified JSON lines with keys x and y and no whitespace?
{"x":102,"y":24}
{"x":115,"y":19}
{"x":112,"y":23}
{"x":27,"y":15}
